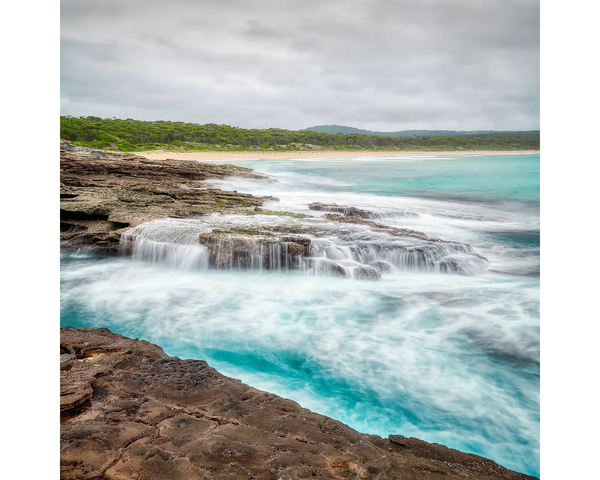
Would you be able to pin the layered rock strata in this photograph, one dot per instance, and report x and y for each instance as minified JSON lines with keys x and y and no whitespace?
{"x":103,"y":194}
{"x":155,"y":417}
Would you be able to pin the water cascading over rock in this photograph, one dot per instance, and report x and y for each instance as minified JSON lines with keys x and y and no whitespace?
{"x":327,"y":248}
{"x":358,"y":212}
{"x":170,"y":242}
{"x":256,"y":250}
{"x":401,"y":254}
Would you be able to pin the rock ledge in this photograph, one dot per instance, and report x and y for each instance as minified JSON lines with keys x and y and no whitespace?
{"x":128,"y":410}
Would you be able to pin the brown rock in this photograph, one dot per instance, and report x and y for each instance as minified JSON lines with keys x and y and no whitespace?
{"x":103,"y":194}
{"x":247,"y":248}
{"x":152,"y":416}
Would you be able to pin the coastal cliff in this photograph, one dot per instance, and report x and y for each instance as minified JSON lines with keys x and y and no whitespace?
{"x":129,"y":410}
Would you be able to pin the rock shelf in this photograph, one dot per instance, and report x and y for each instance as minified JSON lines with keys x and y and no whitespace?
{"x":129,"y":410}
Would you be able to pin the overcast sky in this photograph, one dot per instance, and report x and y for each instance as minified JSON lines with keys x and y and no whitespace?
{"x":378,"y":64}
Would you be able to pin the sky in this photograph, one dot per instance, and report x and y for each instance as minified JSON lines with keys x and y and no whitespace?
{"x":382,"y":65}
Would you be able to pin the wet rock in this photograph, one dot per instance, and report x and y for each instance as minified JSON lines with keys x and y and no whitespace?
{"x":365,"y":272}
{"x":470,"y":264}
{"x":323,"y":266}
{"x":383,"y":267}
{"x":400,"y":232}
{"x":358,"y":212}
{"x":247,"y":248}
{"x":344,"y":210}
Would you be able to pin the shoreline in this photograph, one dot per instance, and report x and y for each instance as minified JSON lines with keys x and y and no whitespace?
{"x":211,"y":155}
{"x":175,"y":419}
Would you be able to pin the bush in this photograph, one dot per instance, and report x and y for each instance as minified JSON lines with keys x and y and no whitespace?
{"x":126,"y":146}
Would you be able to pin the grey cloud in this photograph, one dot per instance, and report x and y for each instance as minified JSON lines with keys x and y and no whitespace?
{"x":464,"y":64}
{"x":259,"y":29}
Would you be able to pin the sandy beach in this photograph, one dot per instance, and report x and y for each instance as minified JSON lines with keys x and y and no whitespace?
{"x":163,"y":155}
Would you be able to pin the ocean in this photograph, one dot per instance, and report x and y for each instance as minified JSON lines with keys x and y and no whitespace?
{"x":445,"y":346}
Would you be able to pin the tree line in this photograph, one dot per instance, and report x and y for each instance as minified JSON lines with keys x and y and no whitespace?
{"x":131,"y":135}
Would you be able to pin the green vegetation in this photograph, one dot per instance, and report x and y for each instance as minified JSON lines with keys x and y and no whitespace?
{"x":136,"y":135}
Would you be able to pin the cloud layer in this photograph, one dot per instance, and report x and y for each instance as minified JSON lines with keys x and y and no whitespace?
{"x":378,"y":64}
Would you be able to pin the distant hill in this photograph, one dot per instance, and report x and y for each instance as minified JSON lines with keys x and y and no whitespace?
{"x":402,"y":133}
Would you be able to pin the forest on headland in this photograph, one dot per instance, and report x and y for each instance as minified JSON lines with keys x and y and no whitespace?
{"x":137,"y":135}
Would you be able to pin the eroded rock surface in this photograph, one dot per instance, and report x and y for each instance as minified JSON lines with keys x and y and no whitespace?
{"x":151,"y":416}
{"x":103,"y":194}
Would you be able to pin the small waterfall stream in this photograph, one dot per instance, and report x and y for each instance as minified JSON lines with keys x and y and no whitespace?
{"x":171,"y":242}
{"x":324,"y":248}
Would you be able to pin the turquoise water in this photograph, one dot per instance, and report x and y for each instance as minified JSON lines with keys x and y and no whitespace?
{"x":452,"y":359}
{"x":475,"y":177}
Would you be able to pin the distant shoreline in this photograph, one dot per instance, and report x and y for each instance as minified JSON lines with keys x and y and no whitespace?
{"x":163,"y":155}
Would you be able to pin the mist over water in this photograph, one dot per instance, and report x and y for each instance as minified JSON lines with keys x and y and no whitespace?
{"x":444,"y":357}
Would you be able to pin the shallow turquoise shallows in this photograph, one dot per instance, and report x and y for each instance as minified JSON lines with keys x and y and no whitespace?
{"x":447,"y":358}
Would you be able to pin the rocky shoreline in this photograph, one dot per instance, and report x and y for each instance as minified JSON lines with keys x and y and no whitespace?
{"x":104,"y":194}
{"x":129,"y":410}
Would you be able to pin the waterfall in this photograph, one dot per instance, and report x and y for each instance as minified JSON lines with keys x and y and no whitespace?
{"x":170,"y":242}
{"x":443,"y":257}
{"x":361,"y":254}
{"x":186,"y":257}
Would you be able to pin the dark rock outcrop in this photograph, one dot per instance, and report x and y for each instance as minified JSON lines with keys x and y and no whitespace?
{"x":344,"y":210}
{"x":356,"y":212}
{"x":152,"y":416}
{"x":247,"y":248}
